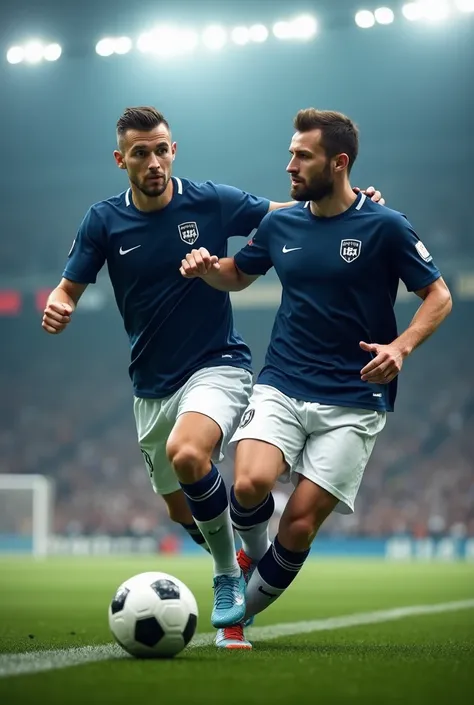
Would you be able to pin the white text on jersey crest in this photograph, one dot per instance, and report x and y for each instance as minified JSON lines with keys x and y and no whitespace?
{"x":350,"y":250}
{"x":188,"y":232}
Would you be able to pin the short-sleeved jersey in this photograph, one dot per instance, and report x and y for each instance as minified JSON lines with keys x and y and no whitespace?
{"x":175,"y":326}
{"x":340,"y":279}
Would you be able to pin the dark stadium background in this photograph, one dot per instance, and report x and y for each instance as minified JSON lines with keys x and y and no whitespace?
{"x":65,"y":408}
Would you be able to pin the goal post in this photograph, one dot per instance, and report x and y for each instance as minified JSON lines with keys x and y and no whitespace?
{"x":26,"y":513}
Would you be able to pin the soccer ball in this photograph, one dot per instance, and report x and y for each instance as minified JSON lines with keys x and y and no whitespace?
{"x":153,"y":615}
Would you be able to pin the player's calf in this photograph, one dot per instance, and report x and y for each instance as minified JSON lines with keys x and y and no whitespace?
{"x":306,"y":510}
{"x":180,"y":513}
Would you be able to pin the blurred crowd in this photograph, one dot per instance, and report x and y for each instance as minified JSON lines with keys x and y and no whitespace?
{"x":70,"y":417}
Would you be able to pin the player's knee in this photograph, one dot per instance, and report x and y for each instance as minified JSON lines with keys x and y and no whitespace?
{"x":189,"y":462}
{"x":250,"y":490}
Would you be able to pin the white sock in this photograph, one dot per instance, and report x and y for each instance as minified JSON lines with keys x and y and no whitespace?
{"x":219,"y":535}
{"x":252,"y":524}
{"x":255,"y":541}
{"x":259,"y":594}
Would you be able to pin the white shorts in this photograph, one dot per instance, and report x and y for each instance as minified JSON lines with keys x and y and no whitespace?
{"x":330,"y":445}
{"x":222,"y":393}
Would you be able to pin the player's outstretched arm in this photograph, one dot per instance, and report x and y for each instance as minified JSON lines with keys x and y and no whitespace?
{"x":60,"y":306}
{"x":221,"y":274}
{"x":388,"y":360}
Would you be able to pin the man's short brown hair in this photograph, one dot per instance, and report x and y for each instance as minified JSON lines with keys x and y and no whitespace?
{"x":338,"y":133}
{"x":142,"y":118}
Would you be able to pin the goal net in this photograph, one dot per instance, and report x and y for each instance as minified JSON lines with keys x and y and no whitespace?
{"x":26,"y":513}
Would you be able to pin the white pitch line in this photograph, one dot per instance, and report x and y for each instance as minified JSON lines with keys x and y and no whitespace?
{"x":37,"y":661}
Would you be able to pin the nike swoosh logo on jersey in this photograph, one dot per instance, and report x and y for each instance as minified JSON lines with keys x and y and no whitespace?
{"x":291,"y":249}
{"x":125,"y":252}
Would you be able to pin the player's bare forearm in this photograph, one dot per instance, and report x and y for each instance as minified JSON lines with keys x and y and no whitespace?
{"x":59,"y":295}
{"x":222,"y":274}
{"x":437,"y":304}
{"x":228,"y":277}
{"x":67,"y":292}
{"x":61,"y":305}
{"x":388,"y":360}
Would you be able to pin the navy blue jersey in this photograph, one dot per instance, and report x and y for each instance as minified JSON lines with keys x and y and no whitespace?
{"x":175,"y":326}
{"x":340,"y":279}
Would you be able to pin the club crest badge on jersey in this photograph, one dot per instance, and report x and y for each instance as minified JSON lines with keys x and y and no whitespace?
{"x":188,"y":232}
{"x":350,"y":250}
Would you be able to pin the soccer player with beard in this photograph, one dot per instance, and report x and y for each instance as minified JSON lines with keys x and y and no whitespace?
{"x":330,"y":373}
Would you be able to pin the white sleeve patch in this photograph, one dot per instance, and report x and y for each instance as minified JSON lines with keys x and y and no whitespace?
{"x":423,"y":252}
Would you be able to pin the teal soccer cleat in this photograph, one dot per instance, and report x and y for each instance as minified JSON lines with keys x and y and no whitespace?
{"x":229,"y":600}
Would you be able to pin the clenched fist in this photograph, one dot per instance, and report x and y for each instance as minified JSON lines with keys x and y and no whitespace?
{"x":198,"y":263}
{"x":56,"y":316}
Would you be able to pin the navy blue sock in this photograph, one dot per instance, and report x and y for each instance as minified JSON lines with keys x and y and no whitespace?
{"x":207,"y":498}
{"x":194,"y":532}
{"x":244,"y":519}
{"x":252,"y":525}
{"x":274,"y":573}
{"x":279,"y":566}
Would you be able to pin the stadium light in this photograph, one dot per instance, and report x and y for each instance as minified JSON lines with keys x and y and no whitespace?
{"x":122,"y":45}
{"x":258,"y":33}
{"x":167,"y":41}
{"x":214,"y":37}
{"x":282,"y":30}
{"x":105,"y":47}
{"x":412,"y":11}
{"x":34,"y":52}
{"x":303,"y":27}
{"x":465,"y":5}
{"x":52,"y":52}
{"x":365,"y":19}
{"x":15,"y":55}
{"x":384,"y":15}
{"x":435,"y":10}
{"x":240,"y":35}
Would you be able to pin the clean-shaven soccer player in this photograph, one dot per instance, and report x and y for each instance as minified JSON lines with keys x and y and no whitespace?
{"x":190,"y":369}
{"x":330,"y":374}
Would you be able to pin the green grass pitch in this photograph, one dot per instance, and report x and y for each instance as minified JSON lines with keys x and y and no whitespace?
{"x":427,"y":659}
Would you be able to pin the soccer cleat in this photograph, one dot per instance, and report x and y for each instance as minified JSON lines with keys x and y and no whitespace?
{"x":247,"y":566}
{"x":232,"y":638}
{"x":229,"y":600}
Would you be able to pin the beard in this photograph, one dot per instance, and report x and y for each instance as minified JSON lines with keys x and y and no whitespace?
{"x":150,"y":189}
{"x":315,"y":189}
